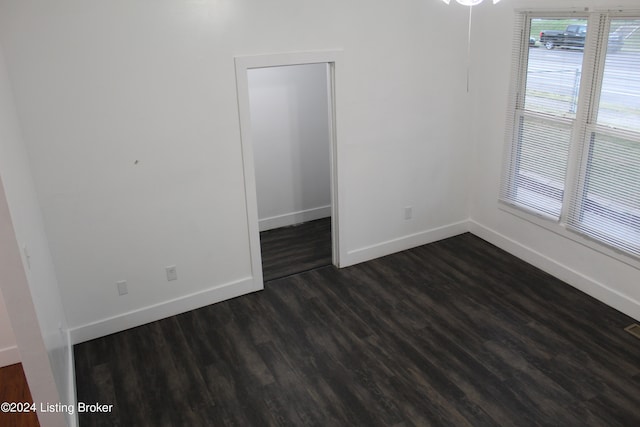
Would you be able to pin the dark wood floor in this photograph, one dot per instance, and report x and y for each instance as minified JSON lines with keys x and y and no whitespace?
{"x":454,"y":333}
{"x":294,"y":249}
{"x":14,"y":389}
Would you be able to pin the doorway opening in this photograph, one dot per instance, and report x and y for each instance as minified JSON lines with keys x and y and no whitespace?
{"x":287,"y":119}
{"x":290,"y":130}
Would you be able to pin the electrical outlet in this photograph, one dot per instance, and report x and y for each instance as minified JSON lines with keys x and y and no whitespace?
{"x":172,"y":273}
{"x":122,"y":287}
{"x":408,"y":212}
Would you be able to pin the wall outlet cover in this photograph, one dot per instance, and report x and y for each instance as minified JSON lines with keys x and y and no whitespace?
{"x":122,"y":287}
{"x":172,"y":273}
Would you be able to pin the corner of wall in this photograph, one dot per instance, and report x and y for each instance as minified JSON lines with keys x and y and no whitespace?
{"x":162,"y":310}
{"x":72,"y":398}
{"x":403,"y":243}
{"x":9,"y":356}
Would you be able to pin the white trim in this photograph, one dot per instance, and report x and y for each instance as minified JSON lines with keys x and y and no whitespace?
{"x":406,"y":242}
{"x":9,"y":356}
{"x":247,"y":62}
{"x":242,"y":64}
{"x":248,"y":165}
{"x":630,"y":12}
{"x":292,"y":218}
{"x":337,"y":242}
{"x":72,"y":397}
{"x":161,"y":310}
{"x":559,"y":12}
{"x":555,"y":227}
{"x":586,"y":284}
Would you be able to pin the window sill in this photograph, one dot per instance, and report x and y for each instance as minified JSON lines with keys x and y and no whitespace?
{"x":559,"y":229}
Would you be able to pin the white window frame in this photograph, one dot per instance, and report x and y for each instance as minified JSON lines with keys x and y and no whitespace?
{"x":584,"y":123}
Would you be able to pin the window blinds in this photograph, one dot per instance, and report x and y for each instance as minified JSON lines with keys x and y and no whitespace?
{"x":544,"y":114}
{"x":573,"y":150}
{"x":605,"y":205}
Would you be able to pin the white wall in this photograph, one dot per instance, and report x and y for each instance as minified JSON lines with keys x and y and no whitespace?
{"x":28,"y":284}
{"x":290,"y":131}
{"x":602,"y":276}
{"x":101,"y":85}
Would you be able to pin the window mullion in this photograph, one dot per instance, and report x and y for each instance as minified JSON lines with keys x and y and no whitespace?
{"x":588,"y":98}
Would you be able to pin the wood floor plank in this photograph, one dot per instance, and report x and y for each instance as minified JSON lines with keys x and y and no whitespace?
{"x":15,"y":390}
{"x":453,"y":333}
{"x":296,"y":248}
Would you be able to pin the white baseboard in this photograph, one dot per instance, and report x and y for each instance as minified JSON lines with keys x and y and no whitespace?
{"x":9,"y":356}
{"x":574,"y":278}
{"x":247,"y":285}
{"x":294,"y":218}
{"x":403,"y":243}
{"x":162,"y":310}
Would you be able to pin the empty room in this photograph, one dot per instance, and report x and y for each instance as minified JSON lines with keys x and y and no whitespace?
{"x":327,"y":213}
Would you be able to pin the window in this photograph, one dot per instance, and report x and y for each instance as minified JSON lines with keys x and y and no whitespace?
{"x":574,"y":141}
